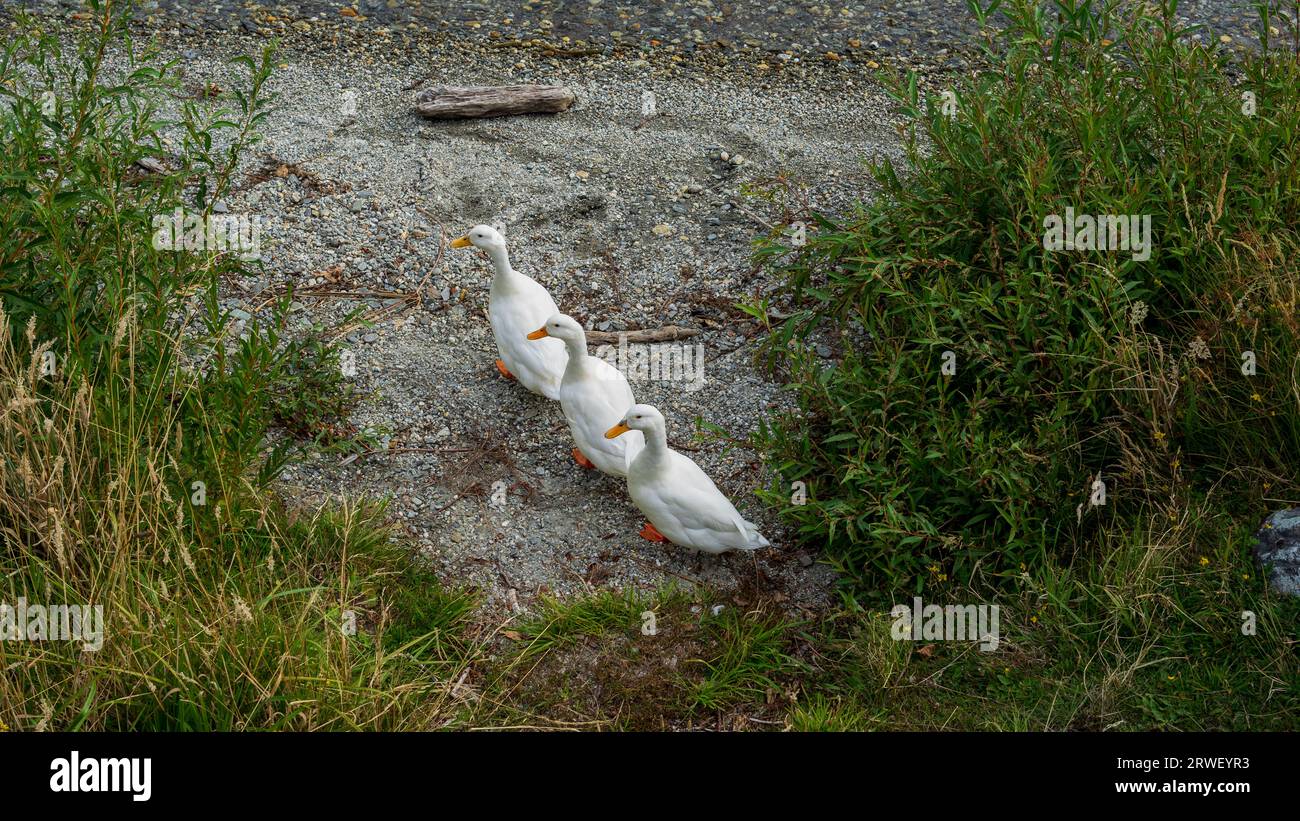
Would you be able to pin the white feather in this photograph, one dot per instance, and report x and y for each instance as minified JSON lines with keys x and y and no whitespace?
{"x":679,"y":498}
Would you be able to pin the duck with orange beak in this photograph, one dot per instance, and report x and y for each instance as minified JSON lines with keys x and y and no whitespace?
{"x":680,"y":500}
{"x":593,"y":395}
{"x":517,"y":304}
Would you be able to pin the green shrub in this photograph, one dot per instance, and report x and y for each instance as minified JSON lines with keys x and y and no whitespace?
{"x":136,"y":434}
{"x":1071,"y":366}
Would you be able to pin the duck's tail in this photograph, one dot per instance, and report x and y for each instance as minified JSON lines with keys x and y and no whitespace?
{"x":753,"y":539}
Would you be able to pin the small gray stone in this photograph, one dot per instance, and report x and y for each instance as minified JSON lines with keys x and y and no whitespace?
{"x":1277,"y":548}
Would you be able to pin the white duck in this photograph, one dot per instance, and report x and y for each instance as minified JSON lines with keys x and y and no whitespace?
{"x":593,"y":395}
{"x":680,"y":500}
{"x":516,"y":305}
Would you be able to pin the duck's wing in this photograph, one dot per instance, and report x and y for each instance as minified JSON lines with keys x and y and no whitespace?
{"x":542,"y":362}
{"x":609,"y":389}
{"x":615,"y":397}
{"x":695,"y":500}
{"x":635,"y":444}
{"x":595,"y":402}
{"x":539,"y":364}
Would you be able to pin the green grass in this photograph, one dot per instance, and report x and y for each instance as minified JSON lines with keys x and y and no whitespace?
{"x":596,"y":661}
{"x":822,"y":714}
{"x":749,"y":658}
{"x":138,"y":473}
{"x":560,"y":622}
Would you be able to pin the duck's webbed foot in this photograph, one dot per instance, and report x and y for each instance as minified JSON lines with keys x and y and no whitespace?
{"x":649,"y":533}
{"x":583,"y":460}
{"x":501,"y":366}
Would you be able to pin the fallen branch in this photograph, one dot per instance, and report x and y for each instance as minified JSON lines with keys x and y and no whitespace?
{"x":151,"y":165}
{"x":452,"y":102}
{"x":668,"y":333}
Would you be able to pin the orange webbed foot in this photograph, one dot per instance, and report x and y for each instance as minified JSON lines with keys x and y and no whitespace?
{"x":583,"y":460}
{"x":501,"y":366}
{"x":649,"y":533}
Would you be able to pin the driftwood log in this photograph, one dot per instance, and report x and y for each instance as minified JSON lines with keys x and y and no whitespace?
{"x":667,"y":333}
{"x":452,"y":102}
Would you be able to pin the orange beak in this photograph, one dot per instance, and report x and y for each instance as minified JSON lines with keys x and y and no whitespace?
{"x":540,"y":333}
{"x":617,"y":431}
{"x":461,"y":242}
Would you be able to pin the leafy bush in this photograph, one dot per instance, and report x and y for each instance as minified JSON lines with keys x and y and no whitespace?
{"x":135,"y":456}
{"x":1076,"y":371}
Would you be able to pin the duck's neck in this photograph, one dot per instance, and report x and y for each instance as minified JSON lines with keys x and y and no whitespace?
{"x":577,"y":348}
{"x":656,"y":446}
{"x":501,"y":264}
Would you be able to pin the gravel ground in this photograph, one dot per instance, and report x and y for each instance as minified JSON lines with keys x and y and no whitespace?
{"x":938,"y":33}
{"x":631,"y":222}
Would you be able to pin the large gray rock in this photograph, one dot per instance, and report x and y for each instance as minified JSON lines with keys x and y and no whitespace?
{"x":1277,"y":548}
